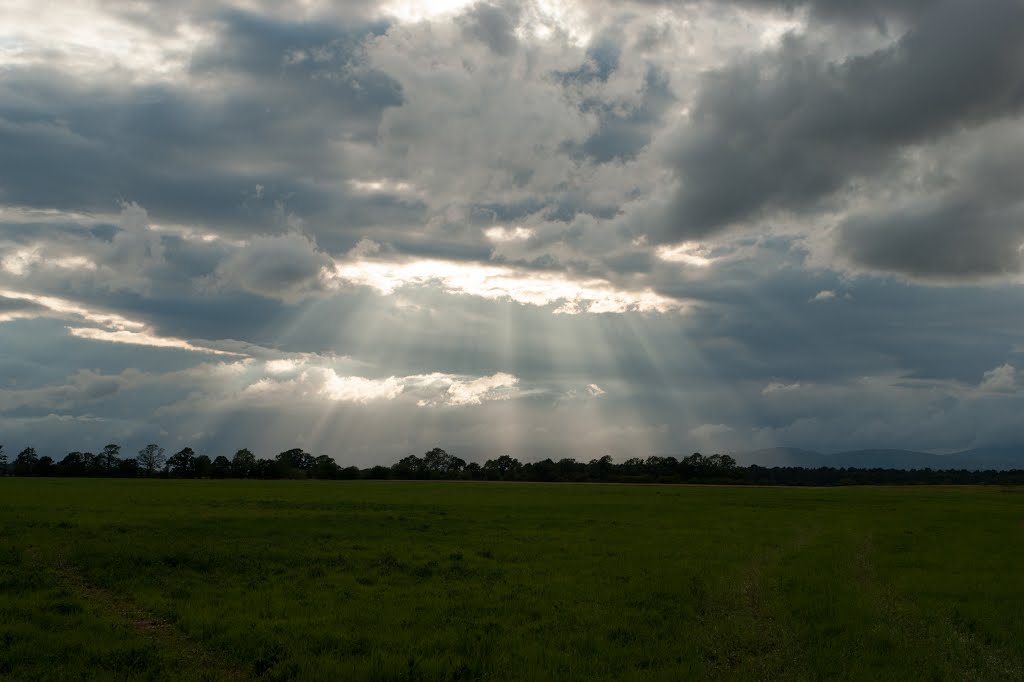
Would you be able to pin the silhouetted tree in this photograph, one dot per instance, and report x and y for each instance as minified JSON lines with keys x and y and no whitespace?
{"x":440,"y":464}
{"x":151,"y":458}
{"x":26,"y":461}
{"x":45,"y":467}
{"x":349,"y":473}
{"x":243,"y":464}
{"x":128,"y":468}
{"x":409,"y":466}
{"x":294,"y":463}
{"x":221,"y":467}
{"x":90,"y":465}
{"x":203,"y":466}
{"x":544,"y":470}
{"x":72,"y":465}
{"x":324,"y":467}
{"x":504,"y":467}
{"x":182,"y":463}
{"x":108,"y":460}
{"x":600,"y":469}
{"x":267,"y":468}
{"x":3,"y":461}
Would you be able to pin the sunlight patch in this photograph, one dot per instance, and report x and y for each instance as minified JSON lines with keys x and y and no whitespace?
{"x":501,"y":234}
{"x":62,"y":307}
{"x":412,"y":11}
{"x":91,"y":43}
{"x":117,"y":329}
{"x":382,"y":186}
{"x":689,"y":253}
{"x":497,"y":282}
{"x":282,"y":366}
{"x":426,"y":390}
{"x":361,"y":390}
{"x":142,"y":339}
{"x":485,"y":388}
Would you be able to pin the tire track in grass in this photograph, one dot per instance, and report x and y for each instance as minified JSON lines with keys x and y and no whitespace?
{"x":907,"y":623}
{"x":207,"y":664}
{"x":743,"y":637}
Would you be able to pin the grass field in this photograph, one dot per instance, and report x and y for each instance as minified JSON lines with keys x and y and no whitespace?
{"x":108,"y":579}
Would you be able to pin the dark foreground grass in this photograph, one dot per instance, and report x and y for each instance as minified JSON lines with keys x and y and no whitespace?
{"x":463,"y":581}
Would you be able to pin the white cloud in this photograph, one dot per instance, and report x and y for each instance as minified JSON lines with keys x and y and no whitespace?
{"x":475,"y":392}
{"x":1002,"y":379}
{"x":825,"y":295}
{"x":779,"y":387}
{"x":361,"y":390}
{"x":128,"y":261}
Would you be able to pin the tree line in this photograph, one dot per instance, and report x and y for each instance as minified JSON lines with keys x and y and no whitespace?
{"x":436,"y":464}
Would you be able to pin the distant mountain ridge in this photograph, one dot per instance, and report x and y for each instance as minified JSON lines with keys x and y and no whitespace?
{"x":998,"y":458}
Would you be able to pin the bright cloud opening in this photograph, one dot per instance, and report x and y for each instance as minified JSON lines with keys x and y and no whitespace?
{"x":496,"y":282}
{"x":361,"y":390}
{"x":423,"y":10}
{"x":485,"y":388}
{"x":500,"y":234}
{"x":142,"y":339}
{"x":689,"y":253}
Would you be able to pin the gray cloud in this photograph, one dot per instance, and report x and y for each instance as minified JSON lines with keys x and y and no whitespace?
{"x":959,"y":217}
{"x":790,"y":129}
{"x":492,"y":25}
{"x":959,"y":240}
{"x":286,"y":267}
{"x":195,"y":193}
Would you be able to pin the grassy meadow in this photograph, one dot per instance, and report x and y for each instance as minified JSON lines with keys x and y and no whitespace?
{"x":168,"y":579}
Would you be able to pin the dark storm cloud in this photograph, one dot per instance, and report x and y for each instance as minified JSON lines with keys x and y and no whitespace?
{"x":310,"y":64}
{"x":150,"y":145}
{"x":967,"y":224}
{"x":872,"y":12}
{"x":789,"y":129}
{"x":290,"y":90}
{"x":287,"y":267}
{"x":960,"y":240}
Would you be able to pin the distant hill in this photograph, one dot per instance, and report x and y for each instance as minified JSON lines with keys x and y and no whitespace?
{"x":782,"y":457}
{"x":975,"y":459}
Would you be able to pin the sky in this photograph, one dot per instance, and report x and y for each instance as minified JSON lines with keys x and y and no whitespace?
{"x":537,"y":228}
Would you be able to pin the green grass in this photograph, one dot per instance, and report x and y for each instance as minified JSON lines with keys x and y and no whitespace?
{"x":463,"y":581}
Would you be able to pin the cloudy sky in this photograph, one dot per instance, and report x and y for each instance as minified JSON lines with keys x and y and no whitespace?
{"x":542,"y":228}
